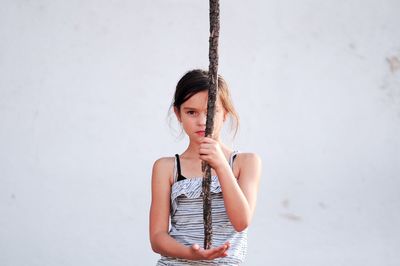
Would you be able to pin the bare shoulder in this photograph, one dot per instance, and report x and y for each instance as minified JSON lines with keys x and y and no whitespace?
{"x":248,"y":158}
{"x":164,"y":162}
{"x":249,"y":163}
{"x":163,"y":168}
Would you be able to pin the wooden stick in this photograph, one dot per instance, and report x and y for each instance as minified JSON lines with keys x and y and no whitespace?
{"x":212,"y":96}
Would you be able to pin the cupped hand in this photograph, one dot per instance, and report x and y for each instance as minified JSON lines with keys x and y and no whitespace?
{"x":210,"y":254}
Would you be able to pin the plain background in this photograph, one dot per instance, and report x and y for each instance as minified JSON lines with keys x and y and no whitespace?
{"x":85,"y":88}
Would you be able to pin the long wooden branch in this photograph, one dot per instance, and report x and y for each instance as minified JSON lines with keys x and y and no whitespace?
{"x":212,"y":96}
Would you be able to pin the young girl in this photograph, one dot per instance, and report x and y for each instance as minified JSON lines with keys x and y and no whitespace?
{"x":177,"y":184}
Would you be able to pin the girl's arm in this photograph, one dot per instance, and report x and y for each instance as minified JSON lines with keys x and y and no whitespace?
{"x":239,"y":194}
{"x":161,"y":241}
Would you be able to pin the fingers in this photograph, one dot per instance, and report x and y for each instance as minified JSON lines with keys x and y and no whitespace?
{"x":217,"y":252}
{"x":207,"y":147}
{"x":209,"y":254}
{"x":207,"y":140}
{"x":205,"y":152}
{"x":195,"y":247}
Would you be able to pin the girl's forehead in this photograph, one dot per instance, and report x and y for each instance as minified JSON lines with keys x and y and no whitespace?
{"x":199,"y":100}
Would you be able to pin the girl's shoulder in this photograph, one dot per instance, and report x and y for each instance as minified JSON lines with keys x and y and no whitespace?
{"x":245,"y":157}
{"x":165,"y":160}
{"x":247,"y":161}
{"x":164,"y":168}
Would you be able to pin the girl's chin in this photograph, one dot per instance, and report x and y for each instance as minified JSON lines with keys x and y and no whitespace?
{"x":196,"y":139}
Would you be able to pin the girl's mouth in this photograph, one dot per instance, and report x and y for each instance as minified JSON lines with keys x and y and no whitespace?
{"x":201,"y":133}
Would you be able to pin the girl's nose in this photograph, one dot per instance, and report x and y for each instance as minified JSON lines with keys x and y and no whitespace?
{"x":203,"y":119}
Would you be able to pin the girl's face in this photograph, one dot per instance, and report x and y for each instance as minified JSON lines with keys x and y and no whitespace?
{"x":193,"y":116}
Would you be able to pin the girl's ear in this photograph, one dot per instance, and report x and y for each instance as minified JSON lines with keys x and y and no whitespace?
{"x":178,"y":114}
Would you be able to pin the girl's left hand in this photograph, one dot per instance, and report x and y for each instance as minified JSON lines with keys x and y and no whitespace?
{"x":211,"y":152}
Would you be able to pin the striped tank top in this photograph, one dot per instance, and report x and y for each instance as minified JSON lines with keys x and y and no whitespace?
{"x":187,"y":220}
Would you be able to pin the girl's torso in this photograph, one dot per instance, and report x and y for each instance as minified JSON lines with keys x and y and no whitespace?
{"x":187,"y":219}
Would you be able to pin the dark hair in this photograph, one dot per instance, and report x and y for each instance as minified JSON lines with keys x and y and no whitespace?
{"x":196,"y":81}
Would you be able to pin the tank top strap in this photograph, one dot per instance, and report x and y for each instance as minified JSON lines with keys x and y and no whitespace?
{"x":176,"y":168}
{"x":232,"y":158}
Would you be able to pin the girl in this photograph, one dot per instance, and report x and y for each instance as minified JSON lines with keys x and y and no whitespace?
{"x":177,"y":184}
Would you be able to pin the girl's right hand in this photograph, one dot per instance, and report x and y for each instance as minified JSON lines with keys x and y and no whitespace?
{"x":210,"y":254}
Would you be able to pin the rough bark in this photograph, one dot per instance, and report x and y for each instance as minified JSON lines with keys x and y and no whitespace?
{"x":212,"y":96}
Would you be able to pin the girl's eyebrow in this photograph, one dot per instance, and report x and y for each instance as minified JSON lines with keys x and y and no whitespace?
{"x":194,"y":108}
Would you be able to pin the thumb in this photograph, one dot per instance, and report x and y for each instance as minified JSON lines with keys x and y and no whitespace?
{"x":195,"y":247}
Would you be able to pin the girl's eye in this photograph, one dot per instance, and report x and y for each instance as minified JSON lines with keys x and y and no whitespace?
{"x":190,"y":112}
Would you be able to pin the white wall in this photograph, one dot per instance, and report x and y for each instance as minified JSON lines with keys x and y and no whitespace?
{"x":85,"y":88}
